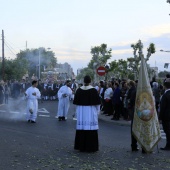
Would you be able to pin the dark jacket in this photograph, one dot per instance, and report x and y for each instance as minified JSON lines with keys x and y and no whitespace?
{"x":165,"y":107}
{"x":156,"y":94}
{"x":116,"y":96}
{"x":131,"y":97}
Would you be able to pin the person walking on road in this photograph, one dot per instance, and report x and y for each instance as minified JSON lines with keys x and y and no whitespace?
{"x":88,"y":103}
{"x":64,"y":95}
{"x":32,"y":94}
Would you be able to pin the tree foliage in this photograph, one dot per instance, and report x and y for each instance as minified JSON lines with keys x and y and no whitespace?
{"x":119,"y":68}
{"x":134,"y":62}
{"x":27,"y":61}
{"x":47,"y":59}
{"x":84,"y":72}
{"x":100,"y":55}
{"x":163,"y":74}
{"x":14,"y":68}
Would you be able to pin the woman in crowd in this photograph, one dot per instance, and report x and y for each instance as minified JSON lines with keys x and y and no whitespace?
{"x":107,"y":97}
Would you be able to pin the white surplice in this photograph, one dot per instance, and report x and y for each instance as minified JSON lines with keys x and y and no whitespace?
{"x":87,"y":117}
{"x":64,"y":102}
{"x":32,"y":102}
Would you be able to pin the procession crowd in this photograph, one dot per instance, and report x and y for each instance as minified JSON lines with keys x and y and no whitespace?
{"x":16,"y":89}
{"x":115,"y":98}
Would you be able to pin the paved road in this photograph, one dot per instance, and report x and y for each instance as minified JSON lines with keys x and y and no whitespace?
{"x":48,"y":144}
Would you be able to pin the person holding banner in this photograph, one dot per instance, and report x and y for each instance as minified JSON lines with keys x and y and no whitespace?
{"x":165,"y":113}
{"x":131,"y":97}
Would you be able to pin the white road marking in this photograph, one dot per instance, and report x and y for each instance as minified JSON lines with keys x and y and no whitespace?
{"x":2,"y":111}
{"x":14,"y":112}
{"x":44,"y":115}
{"x":43,"y":110}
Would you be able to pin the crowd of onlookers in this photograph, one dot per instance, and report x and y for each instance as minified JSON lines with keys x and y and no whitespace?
{"x":118,"y":96}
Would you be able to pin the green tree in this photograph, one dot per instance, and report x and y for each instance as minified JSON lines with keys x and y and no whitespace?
{"x":84,"y":72}
{"x":15,"y":68}
{"x":134,"y":62}
{"x":47,"y":59}
{"x":119,"y":69}
{"x":162,"y":74}
{"x":100,"y":56}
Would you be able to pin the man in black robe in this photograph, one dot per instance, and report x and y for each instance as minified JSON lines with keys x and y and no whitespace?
{"x":88,"y":107}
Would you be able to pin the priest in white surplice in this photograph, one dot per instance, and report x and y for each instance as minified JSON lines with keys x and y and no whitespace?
{"x":32,"y":94}
{"x":64,"y":95}
{"x":88,"y":107}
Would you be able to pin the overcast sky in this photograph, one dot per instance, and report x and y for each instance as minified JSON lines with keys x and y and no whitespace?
{"x":71,"y":27}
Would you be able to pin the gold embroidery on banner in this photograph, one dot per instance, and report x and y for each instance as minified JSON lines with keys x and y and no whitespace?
{"x":144,"y":106}
{"x":146,"y":125}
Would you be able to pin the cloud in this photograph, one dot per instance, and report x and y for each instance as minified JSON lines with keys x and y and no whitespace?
{"x":124,"y":51}
{"x":157,"y":30}
{"x":65,"y":54}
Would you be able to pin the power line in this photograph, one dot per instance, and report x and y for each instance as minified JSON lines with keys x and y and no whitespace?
{"x":10,"y":49}
{"x":10,"y":45}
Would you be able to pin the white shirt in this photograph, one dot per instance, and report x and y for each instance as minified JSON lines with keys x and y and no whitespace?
{"x":108,"y":93}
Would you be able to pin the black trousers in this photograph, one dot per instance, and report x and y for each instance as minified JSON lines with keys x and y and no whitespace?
{"x":117,"y":109}
{"x":134,"y":144}
{"x":133,"y":140}
{"x":109,"y":107}
{"x":166,"y":128}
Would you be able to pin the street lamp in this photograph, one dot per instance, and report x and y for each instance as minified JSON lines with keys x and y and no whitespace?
{"x":165,"y":51}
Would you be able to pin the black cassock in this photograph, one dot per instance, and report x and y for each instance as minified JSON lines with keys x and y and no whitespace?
{"x":86,"y":99}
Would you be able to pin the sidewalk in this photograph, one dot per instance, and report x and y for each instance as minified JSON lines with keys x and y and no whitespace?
{"x":121,"y":121}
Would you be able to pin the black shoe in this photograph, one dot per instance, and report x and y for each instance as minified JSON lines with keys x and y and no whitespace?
{"x":63,"y":118}
{"x":135,"y":149}
{"x":29,"y":121}
{"x":59,"y":118}
{"x":33,"y":121}
{"x":165,"y":148}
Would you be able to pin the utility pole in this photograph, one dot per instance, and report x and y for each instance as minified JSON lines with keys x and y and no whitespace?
{"x":3,"y":55}
{"x":39,"y":64}
{"x":26,"y":45}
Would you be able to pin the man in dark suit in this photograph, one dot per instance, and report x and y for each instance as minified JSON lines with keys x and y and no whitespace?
{"x":164,"y":115}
